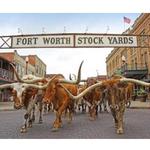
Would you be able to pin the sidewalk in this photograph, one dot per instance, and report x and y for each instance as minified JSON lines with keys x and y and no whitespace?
{"x":6,"y":106}
{"x":140,"y":105}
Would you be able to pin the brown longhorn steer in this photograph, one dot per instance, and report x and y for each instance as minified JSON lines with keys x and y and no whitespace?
{"x":93,"y":98}
{"x":56,"y":95}
{"x":116,"y":89}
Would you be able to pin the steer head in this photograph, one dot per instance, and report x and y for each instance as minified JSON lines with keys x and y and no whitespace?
{"x":19,"y":91}
{"x":52,"y":87}
{"x":51,"y":90}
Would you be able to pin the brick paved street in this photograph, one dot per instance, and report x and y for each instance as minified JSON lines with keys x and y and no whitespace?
{"x":136,"y":126}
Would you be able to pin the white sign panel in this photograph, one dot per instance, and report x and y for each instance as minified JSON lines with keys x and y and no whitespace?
{"x":42,"y":41}
{"x":73,"y":41}
{"x":105,"y":41}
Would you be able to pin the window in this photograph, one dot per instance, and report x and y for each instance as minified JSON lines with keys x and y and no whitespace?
{"x":142,"y":59}
{"x":145,"y":57}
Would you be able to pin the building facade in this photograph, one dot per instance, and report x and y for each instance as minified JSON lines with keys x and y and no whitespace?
{"x":6,"y":76}
{"x":132,"y":62}
{"x":39,"y":65}
{"x":30,"y":64}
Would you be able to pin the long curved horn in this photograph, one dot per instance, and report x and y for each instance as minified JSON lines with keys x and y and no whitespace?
{"x":134,"y":81}
{"x":40,"y":87}
{"x":34,"y":80}
{"x":4,"y":86}
{"x":70,"y":78}
{"x":17,"y":76}
{"x":83,"y":92}
{"x":73,"y":82}
{"x":26,"y":81}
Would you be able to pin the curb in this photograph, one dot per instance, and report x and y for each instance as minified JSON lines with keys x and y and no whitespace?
{"x":7,"y":109}
{"x":138,"y":107}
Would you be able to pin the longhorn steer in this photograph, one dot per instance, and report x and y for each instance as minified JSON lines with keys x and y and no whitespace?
{"x":26,"y":95}
{"x":116,"y":97}
{"x":61,"y":101}
{"x":92,"y":98}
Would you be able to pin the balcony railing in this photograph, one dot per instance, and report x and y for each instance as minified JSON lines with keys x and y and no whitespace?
{"x":6,"y":75}
{"x":136,"y":66}
{"x":138,"y":71}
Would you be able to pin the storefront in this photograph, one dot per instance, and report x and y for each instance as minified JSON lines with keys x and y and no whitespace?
{"x":6,"y":76}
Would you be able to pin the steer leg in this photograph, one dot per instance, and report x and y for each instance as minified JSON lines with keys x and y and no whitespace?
{"x":120,"y":123}
{"x":45,"y":108}
{"x":71,"y":111}
{"x":40,"y":109}
{"x":58,"y":123}
{"x":24,"y":127}
{"x":27,"y":115}
{"x":70,"y":116}
{"x":93,"y":112}
{"x":33,"y":114}
{"x":120,"y":120}
{"x":115,"y":118}
{"x":105,"y":106}
{"x":30,"y":122}
{"x":83,"y":108}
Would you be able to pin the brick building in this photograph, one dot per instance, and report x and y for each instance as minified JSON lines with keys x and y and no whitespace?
{"x":39,"y":65}
{"x":132,"y":62}
{"x":33,"y":65}
{"x":6,"y":76}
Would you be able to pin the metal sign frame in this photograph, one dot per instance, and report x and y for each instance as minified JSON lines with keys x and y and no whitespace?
{"x":143,"y":41}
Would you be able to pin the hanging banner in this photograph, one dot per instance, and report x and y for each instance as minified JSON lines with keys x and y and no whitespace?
{"x":73,"y":41}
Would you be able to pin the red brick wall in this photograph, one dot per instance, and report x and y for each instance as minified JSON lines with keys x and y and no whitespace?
{"x":8,"y":56}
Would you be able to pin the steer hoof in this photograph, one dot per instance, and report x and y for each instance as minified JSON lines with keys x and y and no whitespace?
{"x":119,"y":131}
{"x":69,"y":122}
{"x":23,"y":130}
{"x":54,"y":129}
{"x":91,"y":119}
{"x":33,"y":118}
{"x":30,"y":126}
{"x":40,"y":121}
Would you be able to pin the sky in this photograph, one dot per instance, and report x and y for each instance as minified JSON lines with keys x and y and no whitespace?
{"x":66,"y":60}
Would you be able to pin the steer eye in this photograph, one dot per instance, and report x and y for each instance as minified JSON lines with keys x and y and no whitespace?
{"x":23,"y":86}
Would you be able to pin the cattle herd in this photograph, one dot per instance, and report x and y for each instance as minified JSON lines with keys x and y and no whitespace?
{"x":69,"y":96}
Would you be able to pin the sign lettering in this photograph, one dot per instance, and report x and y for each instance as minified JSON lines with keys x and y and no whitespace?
{"x":73,"y":41}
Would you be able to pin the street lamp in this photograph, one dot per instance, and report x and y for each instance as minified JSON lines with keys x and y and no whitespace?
{"x":27,"y":61}
{"x":123,"y":58}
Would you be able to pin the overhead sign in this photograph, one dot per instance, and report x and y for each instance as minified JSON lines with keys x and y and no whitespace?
{"x":44,"y":41}
{"x":105,"y":41}
{"x":73,"y":41}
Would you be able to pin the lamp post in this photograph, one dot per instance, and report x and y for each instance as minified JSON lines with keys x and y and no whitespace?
{"x":123,"y":58}
{"x":27,"y":61}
